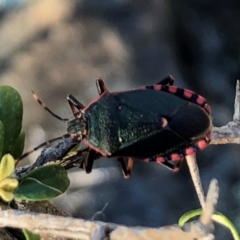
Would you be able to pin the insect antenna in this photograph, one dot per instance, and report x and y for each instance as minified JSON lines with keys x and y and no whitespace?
{"x":35,"y":96}
{"x":41,"y":145}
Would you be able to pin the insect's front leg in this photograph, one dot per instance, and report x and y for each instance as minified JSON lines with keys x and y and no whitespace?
{"x":74,"y":104}
{"x":101,"y":86}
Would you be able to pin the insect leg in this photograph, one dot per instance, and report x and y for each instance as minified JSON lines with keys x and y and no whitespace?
{"x":172,"y":165}
{"x":74,"y":104}
{"x":88,"y":160}
{"x":101,"y":86}
{"x":126,"y":169}
{"x":169,"y":80}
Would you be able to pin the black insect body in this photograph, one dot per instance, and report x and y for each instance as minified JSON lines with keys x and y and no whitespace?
{"x":118,"y":124}
{"x":161,"y":123}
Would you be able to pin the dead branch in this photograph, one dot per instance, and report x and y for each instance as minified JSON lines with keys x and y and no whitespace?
{"x":230,"y":133}
{"x":194,"y":172}
{"x":48,"y":225}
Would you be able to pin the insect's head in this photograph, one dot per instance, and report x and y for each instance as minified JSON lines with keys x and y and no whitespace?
{"x":78,"y":125}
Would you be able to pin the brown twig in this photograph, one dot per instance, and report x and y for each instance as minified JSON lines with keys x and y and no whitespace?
{"x":194,"y":172}
{"x":64,"y":227}
{"x":230,"y":133}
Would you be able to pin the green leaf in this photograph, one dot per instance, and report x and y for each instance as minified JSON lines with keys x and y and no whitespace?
{"x":43,"y":183}
{"x":1,"y":138}
{"x":188,"y":216}
{"x":11,"y":111}
{"x":19,"y":146}
{"x":30,"y":235}
{"x":217,"y":217}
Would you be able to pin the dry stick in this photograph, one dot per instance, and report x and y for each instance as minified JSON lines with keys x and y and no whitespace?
{"x":236,"y":115}
{"x":50,"y":225}
{"x":198,"y":230}
{"x":229,"y":133}
{"x":194,"y":171}
{"x":211,"y":201}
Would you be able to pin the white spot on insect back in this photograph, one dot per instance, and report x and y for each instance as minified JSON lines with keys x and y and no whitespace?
{"x":164,"y":122}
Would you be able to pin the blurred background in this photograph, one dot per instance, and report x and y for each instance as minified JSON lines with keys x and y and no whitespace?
{"x":57,"y":47}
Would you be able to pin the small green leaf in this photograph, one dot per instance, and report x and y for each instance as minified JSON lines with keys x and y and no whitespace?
{"x":217,"y":217}
{"x":223,"y":220}
{"x":30,"y":235}
{"x":1,"y":138}
{"x":189,"y":215}
{"x":43,"y":183}
{"x":32,"y":190}
{"x":19,"y":146}
{"x":11,"y":111}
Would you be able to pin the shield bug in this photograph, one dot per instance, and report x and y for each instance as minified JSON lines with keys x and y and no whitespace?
{"x":160,"y":123}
